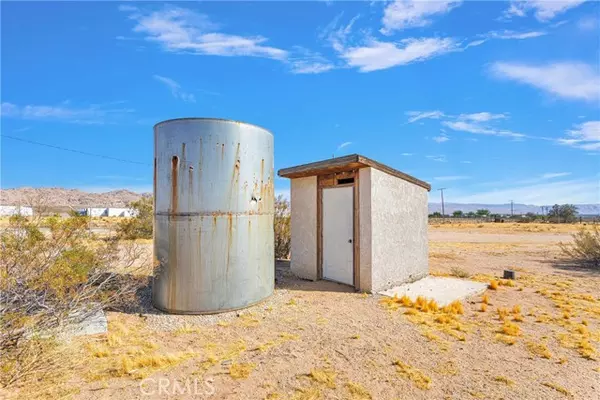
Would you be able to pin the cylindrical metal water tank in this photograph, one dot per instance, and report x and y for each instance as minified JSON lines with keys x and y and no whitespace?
{"x":213,"y":215}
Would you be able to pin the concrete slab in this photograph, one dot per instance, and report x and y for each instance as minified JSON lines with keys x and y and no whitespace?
{"x":92,"y":324}
{"x":442,"y":289}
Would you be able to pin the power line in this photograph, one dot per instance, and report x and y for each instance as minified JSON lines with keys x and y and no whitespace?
{"x":75,"y":151}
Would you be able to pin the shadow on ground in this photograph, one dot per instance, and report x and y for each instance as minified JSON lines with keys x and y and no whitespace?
{"x":284,"y":280}
{"x":579,"y":268}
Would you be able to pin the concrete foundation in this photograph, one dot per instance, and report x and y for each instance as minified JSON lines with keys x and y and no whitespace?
{"x":441,"y":289}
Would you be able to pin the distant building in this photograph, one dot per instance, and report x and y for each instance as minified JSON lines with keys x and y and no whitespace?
{"x":107,"y":212}
{"x":8,"y":211}
{"x":121,"y":212}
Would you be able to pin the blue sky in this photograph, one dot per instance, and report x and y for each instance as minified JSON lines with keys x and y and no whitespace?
{"x":497,"y":101}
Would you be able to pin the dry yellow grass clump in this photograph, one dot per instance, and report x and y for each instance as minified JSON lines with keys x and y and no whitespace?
{"x":483,"y":307}
{"x":323,"y":376}
{"x":447,"y":368}
{"x":502,"y":313}
{"x":493,"y":285}
{"x":485,"y":299}
{"x":145,"y":364}
{"x":579,"y":338}
{"x":187,"y":329}
{"x":420,"y":380}
{"x":506,"y":339}
{"x":358,"y":392}
{"x":510,"y":329}
{"x":507,"y":282}
{"x":505,"y":380}
{"x":129,"y":352}
{"x":241,"y":370}
{"x":455,"y":307}
{"x":539,"y":349}
{"x":558,"y":388}
{"x":308,"y":394}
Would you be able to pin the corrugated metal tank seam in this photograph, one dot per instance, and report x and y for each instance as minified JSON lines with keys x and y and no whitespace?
{"x":214,"y":206}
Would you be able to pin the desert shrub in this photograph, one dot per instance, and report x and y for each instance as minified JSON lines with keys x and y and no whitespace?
{"x":585,"y":246}
{"x":140,"y":225}
{"x":282,"y":226}
{"x":50,"y":281}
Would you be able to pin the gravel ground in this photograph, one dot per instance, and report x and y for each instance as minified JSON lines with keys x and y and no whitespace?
{"x":322,"y":340}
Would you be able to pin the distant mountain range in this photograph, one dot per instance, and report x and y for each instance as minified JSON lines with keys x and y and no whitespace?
{"x":60,"y":197}
{"x":449,"y":208}
{"x":54,"y":197}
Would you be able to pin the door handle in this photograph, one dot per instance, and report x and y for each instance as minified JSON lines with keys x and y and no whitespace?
{"x":349,"y":240}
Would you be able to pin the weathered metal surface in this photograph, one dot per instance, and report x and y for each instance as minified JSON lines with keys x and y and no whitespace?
{"x":213,"y":191}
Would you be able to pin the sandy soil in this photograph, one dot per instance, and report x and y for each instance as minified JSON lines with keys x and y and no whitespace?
{"x":317,"y":340}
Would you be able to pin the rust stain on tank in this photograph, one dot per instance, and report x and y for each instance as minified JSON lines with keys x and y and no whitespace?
{"x":235,"y":177}
{"x":229,"y":241}
{"x":173,"y":263}
{"x":174,"y":185}
{"x":191,"y":185}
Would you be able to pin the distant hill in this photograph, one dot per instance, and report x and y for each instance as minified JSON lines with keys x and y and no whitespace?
{"x":60,"y":197}
{"x":584,"y":209}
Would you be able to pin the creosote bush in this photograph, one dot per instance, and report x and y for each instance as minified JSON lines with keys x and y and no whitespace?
{"x":585,"y":246}
{"x":282,"y":225}
{"x":140,"y":225}
{"x":49,"y":281}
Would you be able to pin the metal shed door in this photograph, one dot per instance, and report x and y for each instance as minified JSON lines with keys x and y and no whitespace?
{"x":338,"y":234}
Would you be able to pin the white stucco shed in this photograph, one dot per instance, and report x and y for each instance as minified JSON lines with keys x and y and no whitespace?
{"x":358,"y":222}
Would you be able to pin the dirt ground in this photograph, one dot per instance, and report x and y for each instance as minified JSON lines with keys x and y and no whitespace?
{"x":536,"y":339}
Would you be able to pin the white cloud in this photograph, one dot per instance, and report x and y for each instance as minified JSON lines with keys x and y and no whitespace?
{"x":475,"y":43}
{"x":441,"y":158}
{"x":570,"y":80}
{"x":345,"y":144}
{"x":451,"y":178}
{"x":589,"y":23}
{"x":441,"y":139}
{"x":559,"y":23}
{"x":569,"y":191}
{"x":552,"y":175}
{"x":507,"y":35}
{"x":337,"y":34}
{"x":469,"y":127}
{"x":376,"y":55}
{"x":93,"y":114}
{"x":306,"y":67}
{"x":585,"y":136}
{"x":175,"y":89}
{"x":406,"y":154}
{"x":402,"y":14}
{"x":179,"y":29}
{"x":418,"y":115}
{"x":544,"y":10}
{"x":182,"y":30}
{"x":308,"y":62}
{"x":482,"y":116}
{"x":466,"y":162}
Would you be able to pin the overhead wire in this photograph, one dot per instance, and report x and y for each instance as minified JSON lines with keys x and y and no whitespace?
{"x":74,"y":150}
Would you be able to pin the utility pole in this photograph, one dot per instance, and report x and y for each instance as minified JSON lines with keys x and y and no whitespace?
{"x":442,"y":193}
{"x":511,"y":208}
